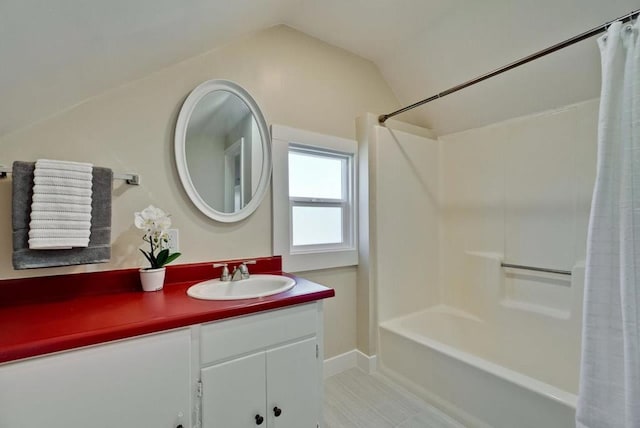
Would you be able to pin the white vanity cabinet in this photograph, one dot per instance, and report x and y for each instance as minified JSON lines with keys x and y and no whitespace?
{"x":140,"y":382}
{"x":255,"y":370}
{"x":263,"y":370}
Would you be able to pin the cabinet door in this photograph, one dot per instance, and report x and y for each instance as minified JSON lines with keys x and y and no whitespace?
{"x":142,"y":382}
{"x":293,"y":385}
{"x":234,"y":393}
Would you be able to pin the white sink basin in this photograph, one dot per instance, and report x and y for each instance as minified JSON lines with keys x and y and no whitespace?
{"x":255,"y":286}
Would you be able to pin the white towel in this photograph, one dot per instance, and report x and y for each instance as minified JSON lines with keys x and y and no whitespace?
{"x":56,"y":243}
{"x":62,"y":224}
{"x":61,"y":205}
{"x":62,"y":199}
{"x":59,"y":215}
{"x":70,"y":208}
{"x":65,"y":165}
{"x":41,"y":189}
{"x":63,"y":181}
{"x":59,"y":233}
{"x":62,"y":173}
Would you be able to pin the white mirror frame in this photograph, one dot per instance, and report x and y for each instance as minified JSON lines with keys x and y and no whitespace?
{"x":180,"y":146}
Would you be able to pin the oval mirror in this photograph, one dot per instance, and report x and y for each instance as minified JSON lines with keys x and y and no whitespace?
{"x":223,"y":150}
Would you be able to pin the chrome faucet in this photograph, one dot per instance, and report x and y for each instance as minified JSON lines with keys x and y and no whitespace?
{"x":241,"y":271}
{"x":224,"y":276}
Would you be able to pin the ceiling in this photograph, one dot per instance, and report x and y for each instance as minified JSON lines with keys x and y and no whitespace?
{"x":217,"y":114}
{"x":54,"y":55}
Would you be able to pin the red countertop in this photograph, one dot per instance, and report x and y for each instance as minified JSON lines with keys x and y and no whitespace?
{"x":51,"y":314}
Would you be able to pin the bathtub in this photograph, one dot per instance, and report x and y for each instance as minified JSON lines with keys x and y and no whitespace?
{"x":485,"y":374}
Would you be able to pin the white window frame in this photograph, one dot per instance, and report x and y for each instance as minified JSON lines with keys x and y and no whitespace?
{"x":312,"y":257}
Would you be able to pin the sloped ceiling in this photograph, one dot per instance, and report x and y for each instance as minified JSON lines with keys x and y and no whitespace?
{"x":56,"y":54}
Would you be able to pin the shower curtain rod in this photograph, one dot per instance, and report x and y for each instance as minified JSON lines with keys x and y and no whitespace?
{"x":575,"y":39}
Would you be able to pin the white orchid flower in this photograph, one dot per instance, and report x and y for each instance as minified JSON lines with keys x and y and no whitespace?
{"x":152,"y":219}
{"x":155,"y":223}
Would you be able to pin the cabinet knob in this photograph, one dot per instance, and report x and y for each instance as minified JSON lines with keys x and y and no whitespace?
{"x":276,"y":411}
{"x":179,"y":426}
{"x":259,"y":420}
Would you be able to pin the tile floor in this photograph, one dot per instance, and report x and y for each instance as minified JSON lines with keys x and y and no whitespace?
{"x":354,"y":399}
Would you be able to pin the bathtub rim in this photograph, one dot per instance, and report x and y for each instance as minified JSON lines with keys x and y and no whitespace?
{"x":541,"y":388}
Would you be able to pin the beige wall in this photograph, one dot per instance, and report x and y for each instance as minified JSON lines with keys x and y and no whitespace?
{"x":297,"y":80}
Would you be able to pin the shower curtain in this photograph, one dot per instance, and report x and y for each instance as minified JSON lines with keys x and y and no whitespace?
{"x":610,"y":370}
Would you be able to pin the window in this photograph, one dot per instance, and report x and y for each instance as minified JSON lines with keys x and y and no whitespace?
{"x":314,"y":209}
{"x":319,"y":190}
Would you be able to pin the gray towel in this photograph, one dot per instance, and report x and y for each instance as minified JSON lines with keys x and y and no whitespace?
{"x":99,"y":249}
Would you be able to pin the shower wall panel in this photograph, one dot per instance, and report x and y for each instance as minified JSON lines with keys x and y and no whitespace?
{"x":406,"y":177}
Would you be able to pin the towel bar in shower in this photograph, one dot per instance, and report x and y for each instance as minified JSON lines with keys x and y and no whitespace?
{"x":133,"y":179}
{"x":537,"y":269}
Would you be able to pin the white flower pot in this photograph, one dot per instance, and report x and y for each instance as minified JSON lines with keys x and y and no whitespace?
{"x":152,"y":279}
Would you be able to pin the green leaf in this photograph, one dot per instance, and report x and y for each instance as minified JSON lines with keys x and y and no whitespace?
{"x":172,"y":257}
{"x":162,"y":256}
{"x":147,"y":256}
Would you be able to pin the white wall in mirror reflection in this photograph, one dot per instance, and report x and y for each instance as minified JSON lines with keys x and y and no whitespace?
{"x":224,"y":151}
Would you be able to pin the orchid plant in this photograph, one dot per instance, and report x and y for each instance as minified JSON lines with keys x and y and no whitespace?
{"x":155,"y":223}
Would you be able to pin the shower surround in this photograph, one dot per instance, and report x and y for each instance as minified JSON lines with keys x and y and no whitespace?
{"x":494,"y":347}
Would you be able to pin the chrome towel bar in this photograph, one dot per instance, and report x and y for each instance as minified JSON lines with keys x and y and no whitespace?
{"x":537,"y":269}
{"x":133,"y":179}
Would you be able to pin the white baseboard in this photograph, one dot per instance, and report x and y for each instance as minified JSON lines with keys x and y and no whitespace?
{"x":366,"y":363}
{"x":349,"y":360}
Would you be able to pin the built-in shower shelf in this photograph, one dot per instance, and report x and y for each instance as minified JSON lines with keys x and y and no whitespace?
{"x":543,"y":293}
{"x":538,"y":309}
